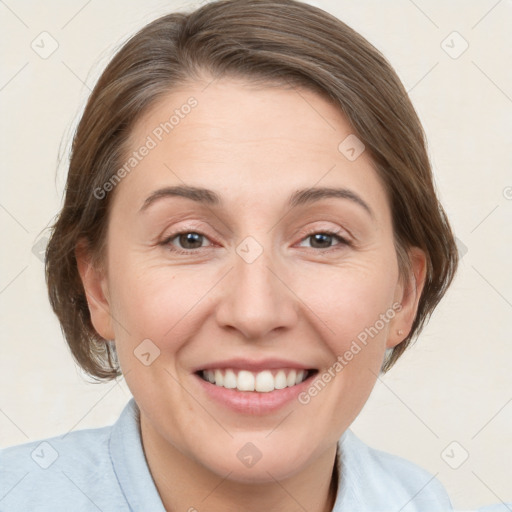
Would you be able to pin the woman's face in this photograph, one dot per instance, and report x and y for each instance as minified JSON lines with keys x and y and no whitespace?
{"x":272,"y":284}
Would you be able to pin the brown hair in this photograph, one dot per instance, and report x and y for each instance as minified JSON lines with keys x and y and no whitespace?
{"x":285,"y":42}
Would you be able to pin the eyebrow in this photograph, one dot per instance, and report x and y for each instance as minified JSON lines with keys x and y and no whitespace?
{"x":298,"y":198}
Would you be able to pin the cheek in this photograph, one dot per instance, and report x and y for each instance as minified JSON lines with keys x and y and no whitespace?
{"x":152,"y":301}
{"x":353,"y":303}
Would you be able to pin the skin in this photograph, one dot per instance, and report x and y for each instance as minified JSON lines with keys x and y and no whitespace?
{"x":298,"y":300}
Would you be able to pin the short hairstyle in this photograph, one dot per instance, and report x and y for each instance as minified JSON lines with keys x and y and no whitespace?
{"x":278,"y":42}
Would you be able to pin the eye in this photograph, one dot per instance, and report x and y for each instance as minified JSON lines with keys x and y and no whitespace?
{"x":187,"y":240}
{"x":324,"y":240}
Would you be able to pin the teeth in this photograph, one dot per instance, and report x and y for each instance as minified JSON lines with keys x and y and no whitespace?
{"x":280,"y":381}
{"x":217,"y":377}
{"x":229,"y":380}
{"x":262,"y":382}
{"x":290,"y":380}
{"x":300,"y":376}
{"x":245,"y":381}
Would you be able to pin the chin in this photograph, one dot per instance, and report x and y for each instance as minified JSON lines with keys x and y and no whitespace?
{"x":248,"y":462}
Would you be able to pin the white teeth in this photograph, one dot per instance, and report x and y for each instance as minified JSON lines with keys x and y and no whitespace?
{"x":290,"y":380}
{"x":280,"y":380}
{"x":262,"y":382}
{"x":245,"y":381}
{"x":229,"y":380}
{"x":218,"y":378}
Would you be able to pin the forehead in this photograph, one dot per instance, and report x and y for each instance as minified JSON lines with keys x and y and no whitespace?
{"x":248,"y":143}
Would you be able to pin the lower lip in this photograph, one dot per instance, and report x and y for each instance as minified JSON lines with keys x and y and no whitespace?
{"x":253,"y":402}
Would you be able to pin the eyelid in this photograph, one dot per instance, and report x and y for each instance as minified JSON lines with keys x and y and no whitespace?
{"x":191,"y":226}
{"x":332,"y":230}
{"x":344,"y":237}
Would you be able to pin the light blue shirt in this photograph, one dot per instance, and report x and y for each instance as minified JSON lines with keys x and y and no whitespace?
{"x":105,"y":469}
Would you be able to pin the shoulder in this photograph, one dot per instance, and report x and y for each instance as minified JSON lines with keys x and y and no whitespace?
{"x":68,"y":472}
{"x":378,"y":481}
{"x":45,"y":452}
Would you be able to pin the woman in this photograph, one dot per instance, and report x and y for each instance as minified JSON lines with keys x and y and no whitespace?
{"x":250,"y":234}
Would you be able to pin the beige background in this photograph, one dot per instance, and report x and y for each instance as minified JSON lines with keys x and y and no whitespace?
{"x":454,"y":385}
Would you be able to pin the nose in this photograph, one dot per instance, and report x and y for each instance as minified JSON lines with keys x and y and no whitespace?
{"x":256,"y":299}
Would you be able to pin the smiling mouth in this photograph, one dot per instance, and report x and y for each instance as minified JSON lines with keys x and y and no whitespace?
{"x":261,"y":382}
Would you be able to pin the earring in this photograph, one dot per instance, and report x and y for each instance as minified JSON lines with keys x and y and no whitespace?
{"x":400,"y":332}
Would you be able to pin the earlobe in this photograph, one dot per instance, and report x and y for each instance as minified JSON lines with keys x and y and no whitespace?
{"x":409,"y":292}
{"x":96,"y":290}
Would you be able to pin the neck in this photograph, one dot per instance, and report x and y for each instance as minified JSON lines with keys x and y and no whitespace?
{"x":186,"y":485}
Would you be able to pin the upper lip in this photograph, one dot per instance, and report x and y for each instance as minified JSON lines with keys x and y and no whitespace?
{"x":253,"y":365}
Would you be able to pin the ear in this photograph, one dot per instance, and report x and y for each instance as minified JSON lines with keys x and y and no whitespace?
{"x":94,"y":281}
{"x":408,"y":294}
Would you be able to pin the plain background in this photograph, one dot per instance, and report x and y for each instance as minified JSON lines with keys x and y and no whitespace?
{"x":450,"y":396}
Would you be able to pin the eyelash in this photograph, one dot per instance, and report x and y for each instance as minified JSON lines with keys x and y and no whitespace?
{"x":343,"y":242}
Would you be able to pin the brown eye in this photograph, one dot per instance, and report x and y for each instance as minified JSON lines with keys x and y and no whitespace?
{"x":190,"y":240}
{"x":321,"y":240}
{"x":324,"y":240}
{"x":186,"y":241}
